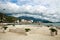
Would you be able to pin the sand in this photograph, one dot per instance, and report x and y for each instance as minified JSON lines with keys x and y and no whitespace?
{"x":36,"y":33}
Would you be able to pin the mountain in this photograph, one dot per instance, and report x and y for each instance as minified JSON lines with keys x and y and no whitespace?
{"x":35,"y":19}
{"x":5,"y":18}
{"x":8,"y":18}
{"x":9,"y":14}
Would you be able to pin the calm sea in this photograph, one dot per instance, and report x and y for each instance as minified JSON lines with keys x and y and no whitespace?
{"x":55,"y":24}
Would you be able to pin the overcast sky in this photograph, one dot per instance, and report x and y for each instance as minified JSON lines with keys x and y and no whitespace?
{"x":44,"y":9}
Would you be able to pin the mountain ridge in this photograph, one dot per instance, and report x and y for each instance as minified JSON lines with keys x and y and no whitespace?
{"x":35,"y":19}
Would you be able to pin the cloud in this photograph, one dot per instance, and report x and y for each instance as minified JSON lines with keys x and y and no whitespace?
{"x":43,"y":9}
{"x":9,"y":7}
{"x":13,"y":8}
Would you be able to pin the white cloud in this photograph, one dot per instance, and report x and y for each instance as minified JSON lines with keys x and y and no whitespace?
{"x":9,"y":7}
{"x":33,"y":9}
{"x":48,"y":8}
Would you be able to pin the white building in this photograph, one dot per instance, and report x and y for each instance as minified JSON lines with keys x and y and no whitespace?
{"x":26,"y":21}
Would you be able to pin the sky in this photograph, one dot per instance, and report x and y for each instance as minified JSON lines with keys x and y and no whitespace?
{"x":43,"y":9}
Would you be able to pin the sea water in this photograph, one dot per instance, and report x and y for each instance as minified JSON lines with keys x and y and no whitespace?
{"x":54,"y":24}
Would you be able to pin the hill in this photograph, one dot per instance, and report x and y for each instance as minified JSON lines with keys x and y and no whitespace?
{"x":35,"y":19}
{"x":5,"y":18}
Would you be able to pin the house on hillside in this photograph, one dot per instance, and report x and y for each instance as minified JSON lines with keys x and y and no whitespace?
{"x":26,"y":21}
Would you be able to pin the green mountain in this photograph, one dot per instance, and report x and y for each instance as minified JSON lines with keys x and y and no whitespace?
{"x":35,"y":19}
{"x":5,"y":18}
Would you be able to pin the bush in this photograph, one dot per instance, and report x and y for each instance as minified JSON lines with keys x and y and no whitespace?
{"x":5,"y":27}
{"x":13,"y":24}
{"x":27,"y":29}
{"x":53,"y":30}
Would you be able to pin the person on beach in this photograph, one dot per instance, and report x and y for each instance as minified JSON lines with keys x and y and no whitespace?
{"x":53,"y":31}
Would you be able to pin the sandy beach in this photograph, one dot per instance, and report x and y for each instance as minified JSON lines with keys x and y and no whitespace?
{"x":36,"y":33}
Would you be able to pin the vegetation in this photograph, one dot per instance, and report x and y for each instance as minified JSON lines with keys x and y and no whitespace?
{"x":5,"y":27}
{"x":53,"y":31}
{"x":9,"y":19}
{"x":27,"y":29}
{"x":2,"y":17}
